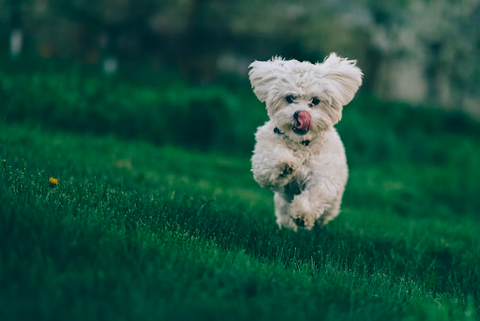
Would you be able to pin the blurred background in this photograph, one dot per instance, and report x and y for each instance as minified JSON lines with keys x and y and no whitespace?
{"x":415,"y":50}
{"x":127,"y":66}
{"x":143,"y":113}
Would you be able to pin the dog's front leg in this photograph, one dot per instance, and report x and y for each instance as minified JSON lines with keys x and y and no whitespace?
{"x":273,"y":167}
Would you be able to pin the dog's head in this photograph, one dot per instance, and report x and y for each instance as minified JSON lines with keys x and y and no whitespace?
{"x":305,"y":99}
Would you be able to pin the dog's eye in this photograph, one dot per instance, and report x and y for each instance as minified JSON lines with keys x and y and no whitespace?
{"x":290,"y":99}
{"x":315,"y":101}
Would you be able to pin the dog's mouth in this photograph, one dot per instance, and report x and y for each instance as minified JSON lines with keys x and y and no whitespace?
{"x":299,"y":131}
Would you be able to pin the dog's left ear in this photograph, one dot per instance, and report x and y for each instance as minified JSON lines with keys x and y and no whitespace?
{"x":343,"y":76}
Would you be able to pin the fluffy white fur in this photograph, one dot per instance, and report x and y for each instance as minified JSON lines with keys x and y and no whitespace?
{"x":308,"y":181}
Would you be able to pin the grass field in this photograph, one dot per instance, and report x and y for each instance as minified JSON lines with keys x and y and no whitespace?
{"x":145,"y":226}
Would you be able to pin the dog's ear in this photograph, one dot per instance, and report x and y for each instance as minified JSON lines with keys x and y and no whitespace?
{"x":343,"y":77}
{"x":263,"y":74}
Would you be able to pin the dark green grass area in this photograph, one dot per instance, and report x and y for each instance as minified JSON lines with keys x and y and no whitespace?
{"x":156,"y":214}
{"x":136,"y":231}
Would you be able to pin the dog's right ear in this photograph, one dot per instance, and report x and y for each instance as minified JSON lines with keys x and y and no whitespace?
{"x":263,"y":74}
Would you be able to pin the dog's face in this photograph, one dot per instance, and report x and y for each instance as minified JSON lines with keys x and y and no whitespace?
{"x":305,"y":99}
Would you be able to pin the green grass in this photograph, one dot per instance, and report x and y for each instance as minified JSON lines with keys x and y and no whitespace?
{"x":141,"y":228}
{"x":130,"y":233}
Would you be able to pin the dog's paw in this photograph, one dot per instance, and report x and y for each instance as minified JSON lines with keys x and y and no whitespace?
{"x":286,"y":170}
{"x":284,"y":173}
{"x":299,"y":222}
{"x":303,"y":218}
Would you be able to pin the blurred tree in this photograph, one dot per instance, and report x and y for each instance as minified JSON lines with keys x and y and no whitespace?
{"x":409,"y":49}
{"x":441,"y":37}
{"x":193,"y":34}
{"x":448,"y":34}
{"x":16,"y":27}
{"x":114,"y":17}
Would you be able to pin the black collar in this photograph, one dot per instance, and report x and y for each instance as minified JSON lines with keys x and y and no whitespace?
{"x":279,"y":132}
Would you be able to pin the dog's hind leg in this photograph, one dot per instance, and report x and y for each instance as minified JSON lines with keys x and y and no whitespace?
{"x":282,"y":208}
{"x":306,"y":208}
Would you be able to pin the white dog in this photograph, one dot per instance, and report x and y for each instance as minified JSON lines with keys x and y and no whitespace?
{"x":298,"y":153}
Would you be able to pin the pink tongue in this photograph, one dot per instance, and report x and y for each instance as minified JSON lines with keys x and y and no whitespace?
{"x":304,"y":119}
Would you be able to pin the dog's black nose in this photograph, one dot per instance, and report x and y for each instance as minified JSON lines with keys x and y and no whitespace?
{"x":295,"y":116}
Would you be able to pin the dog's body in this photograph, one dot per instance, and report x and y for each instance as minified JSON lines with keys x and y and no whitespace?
{"x":298,"y":153}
